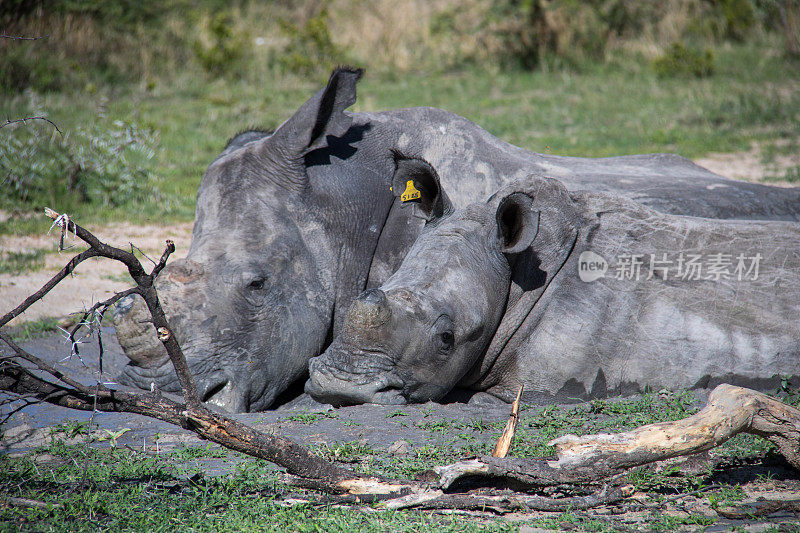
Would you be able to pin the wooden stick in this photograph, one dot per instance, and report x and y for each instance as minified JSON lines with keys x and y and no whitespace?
{"x":504,"y":442}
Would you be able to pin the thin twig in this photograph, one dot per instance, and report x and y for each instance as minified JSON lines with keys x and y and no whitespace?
{"x":26,"y":119}
{"x":44,"y":366}
{"x":22,"y":37}
{"x":134,"y":247}
{"x":95,"y":312}
{"x":47,"y":287}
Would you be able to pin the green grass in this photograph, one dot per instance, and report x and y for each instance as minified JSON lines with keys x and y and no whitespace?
{"x":12,"y":262}
{"x":614,"y":109}
{"x":306,"y":417}
{"x":118,"y":489}
{"x":33,"y":329}
{"x":99,"y":487}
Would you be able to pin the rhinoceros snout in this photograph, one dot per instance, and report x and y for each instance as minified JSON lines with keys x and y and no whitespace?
{"x":136,"y":334}
{"x":326,"y":387}
{"x":134,"y":324}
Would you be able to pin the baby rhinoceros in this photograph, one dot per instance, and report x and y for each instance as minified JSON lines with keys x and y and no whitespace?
{"x":573,"y":295}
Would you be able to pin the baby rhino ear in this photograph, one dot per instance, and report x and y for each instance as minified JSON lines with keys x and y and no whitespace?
{"x":416,"y":182}
{"x":517,"y":223}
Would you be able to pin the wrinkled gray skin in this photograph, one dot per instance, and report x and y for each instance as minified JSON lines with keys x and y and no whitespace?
{"x":291,"y":227}
{"x":489,"y":298}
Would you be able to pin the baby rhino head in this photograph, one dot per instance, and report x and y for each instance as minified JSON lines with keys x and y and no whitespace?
{"x":415,"y":337}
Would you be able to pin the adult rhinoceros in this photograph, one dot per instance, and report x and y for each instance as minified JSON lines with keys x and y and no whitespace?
{"x":517,"y":290}
{"x":292,"y":226}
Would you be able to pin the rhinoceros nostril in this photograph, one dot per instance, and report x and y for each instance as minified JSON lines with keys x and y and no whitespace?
{"x":124,"y":305}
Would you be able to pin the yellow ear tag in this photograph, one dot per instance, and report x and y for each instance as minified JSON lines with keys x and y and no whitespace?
{"x":411,"y":192}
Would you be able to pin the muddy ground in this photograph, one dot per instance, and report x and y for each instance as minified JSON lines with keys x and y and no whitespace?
{"x":392,"y":431}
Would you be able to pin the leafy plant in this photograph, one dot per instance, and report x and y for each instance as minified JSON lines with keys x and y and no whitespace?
{"x":22,"y":68}
{"x":311,"y":47}
{"x":346,"y":452}
{"x":114,"y":435}
{"x":682,"y":60}
{"x":104,"y":163}
{"x":70,"y":429}
{"x":226,"y":49}
{"x":305,"y":417}
{"x":196,"y":452}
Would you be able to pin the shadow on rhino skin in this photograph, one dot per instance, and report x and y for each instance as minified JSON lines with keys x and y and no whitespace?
{"x":337,"y":146}
{"x":525,"y":271}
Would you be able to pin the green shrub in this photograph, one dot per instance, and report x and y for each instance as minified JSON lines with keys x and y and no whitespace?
{"x":681,"y":60}
{"x":226,"y":49}
{"x":311,"y":48}
{"x":20,"y":69}
{"x":739,"y":17}
{"x":532,"y":32}
{"x":120,"y":13}
{"x":105,"y":164}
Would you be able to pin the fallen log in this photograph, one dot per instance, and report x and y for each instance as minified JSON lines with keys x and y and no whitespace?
{"x":730,"y":410}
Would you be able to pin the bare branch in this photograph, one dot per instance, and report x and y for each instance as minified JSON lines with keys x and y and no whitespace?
{"x":43,"y":366}
{"x":505,"y":440}
{"x":47,"y":287}
{"x":163,"y":261}
{"x":207,"y":424}
{"x":503,"y":503}
{"x":90,"y":315}
{"x":26,"y":119}
{"x":730,"y":410}
{"x":22,"y":38}
{"x":145,"y":288}
{"x":135,"y":268}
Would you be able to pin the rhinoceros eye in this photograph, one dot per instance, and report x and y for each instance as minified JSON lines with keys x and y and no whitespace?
{"x":256,"y":285}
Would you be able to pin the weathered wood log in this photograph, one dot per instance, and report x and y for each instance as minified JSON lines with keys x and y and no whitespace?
{"x":502,"y":503}
{"x":730,"y":410}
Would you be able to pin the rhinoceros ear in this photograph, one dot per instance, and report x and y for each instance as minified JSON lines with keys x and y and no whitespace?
{"x":416,"y":183}
{"x":517,"y":223}
{"x":323,"y":114}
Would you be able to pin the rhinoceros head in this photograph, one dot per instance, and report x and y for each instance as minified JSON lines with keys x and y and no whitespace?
{"x":415,"y":337}
{"x":253,"y":300}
